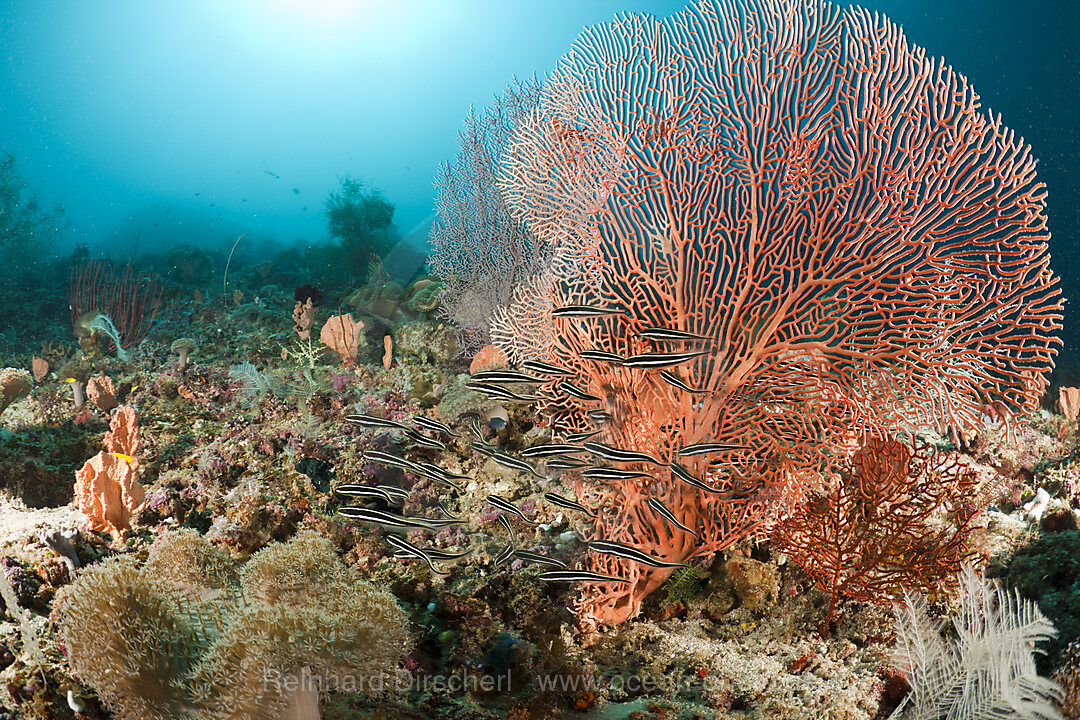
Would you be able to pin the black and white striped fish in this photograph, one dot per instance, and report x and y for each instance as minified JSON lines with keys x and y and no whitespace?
{"x":630,"y":553}
{"x":409,"y":550}
{"x":505,"y":555}
{"x":581,"y":436}
{"x":437,"y":554}
{"x":432,"y":425}
{"x":394,"y":492}
{"x":579,"y":576}
{"x":583,"y":311}
{"x":418,"y":438}
{"x":688,"y":477}
{"x":390,"y":460}
{"x":484,"y":448}
{"x":574,"y":391}
{"x":538,"y":558}
{"x":609,"y":474}
{"x":599,"y":416}
{"x":614,"y":454}
{"x":446,"y":511}
{"x":564,"y":463}
{"x":710,"y":447}
{"x":551,"y":450}
{"x":513,"y":463}
{"x":441,"y":472}
{"x":499,"y":392}
{"x":662,"y":510}
{"x":509,"y":529}
{"x":476,"y":429}
{"x":393,"y":520}
{"x":507,"y":506}
{"x":656,"y":361}
{"x":506,"y":376}
{"x":370,"y":421}
{"x":569,"y":504}
{"x":354,"y":490}
{"x":677,"y":382}
{"x":538,"y":366}
{"x":425,"y":470}
{"x":601,"y":356}
{"x":663,"y":334}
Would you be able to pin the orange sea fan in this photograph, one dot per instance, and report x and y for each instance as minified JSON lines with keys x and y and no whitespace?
{"x":863,"y":248}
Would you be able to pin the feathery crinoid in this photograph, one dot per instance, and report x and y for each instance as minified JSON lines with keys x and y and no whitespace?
{"x":988,"y":671}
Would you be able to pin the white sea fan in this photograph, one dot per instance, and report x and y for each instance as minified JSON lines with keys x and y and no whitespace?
{"x":988,"y":671}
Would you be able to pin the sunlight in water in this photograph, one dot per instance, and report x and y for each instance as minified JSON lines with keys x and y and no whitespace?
{"x":326,"y":14}
{"x":329,"y":31}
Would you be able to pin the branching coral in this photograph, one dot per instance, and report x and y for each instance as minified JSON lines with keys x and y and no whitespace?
{"x":893,"y":518}
{"x":874,"y":256}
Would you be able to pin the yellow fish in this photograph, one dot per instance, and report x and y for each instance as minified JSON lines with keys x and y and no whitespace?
{"x":122,"y":456}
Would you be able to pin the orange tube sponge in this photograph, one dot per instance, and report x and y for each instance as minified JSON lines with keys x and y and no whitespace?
{"x":101,"y":392}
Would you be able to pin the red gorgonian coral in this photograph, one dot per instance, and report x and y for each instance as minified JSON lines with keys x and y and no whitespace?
{"x":862,"y":247}
{"x":893,"y":518}
{"x":130,"y":300}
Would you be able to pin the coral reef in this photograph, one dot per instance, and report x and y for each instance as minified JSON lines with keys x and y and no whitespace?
{"x":784,"y":427}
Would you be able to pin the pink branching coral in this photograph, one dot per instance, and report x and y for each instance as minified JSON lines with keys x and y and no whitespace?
{"x":858,"y":245}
